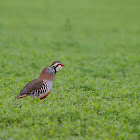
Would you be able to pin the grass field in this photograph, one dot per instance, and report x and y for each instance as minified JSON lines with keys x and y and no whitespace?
{"x":97,"y":94}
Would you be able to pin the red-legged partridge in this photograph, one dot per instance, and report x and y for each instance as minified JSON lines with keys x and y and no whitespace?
{"x":42,"y":86}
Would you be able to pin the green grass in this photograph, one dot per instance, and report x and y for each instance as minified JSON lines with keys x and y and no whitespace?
{"x":97,"y":94}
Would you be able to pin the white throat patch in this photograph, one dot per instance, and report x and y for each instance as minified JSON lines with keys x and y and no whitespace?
{"x":58,"y":68}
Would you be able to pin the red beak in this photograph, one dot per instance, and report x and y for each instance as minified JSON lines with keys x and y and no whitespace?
{"x":62,"y":65}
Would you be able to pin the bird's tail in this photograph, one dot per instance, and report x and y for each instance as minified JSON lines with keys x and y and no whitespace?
{"x":21,"y":96}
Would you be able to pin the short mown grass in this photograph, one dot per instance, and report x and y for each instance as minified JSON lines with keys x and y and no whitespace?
{"x":97,"y":93}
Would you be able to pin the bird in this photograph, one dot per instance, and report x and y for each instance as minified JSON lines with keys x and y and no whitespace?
{"x":42,"y":86}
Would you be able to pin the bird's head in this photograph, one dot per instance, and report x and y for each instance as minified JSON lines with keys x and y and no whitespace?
{"x":57,"y":65}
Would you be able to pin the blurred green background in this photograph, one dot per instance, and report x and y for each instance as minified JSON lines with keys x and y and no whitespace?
{"x":97,"y":93}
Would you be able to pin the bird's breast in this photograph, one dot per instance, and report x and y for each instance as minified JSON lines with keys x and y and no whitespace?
{"x":50,"y":83}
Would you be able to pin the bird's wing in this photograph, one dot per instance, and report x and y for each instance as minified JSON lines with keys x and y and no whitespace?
{"x":34,"y":88}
